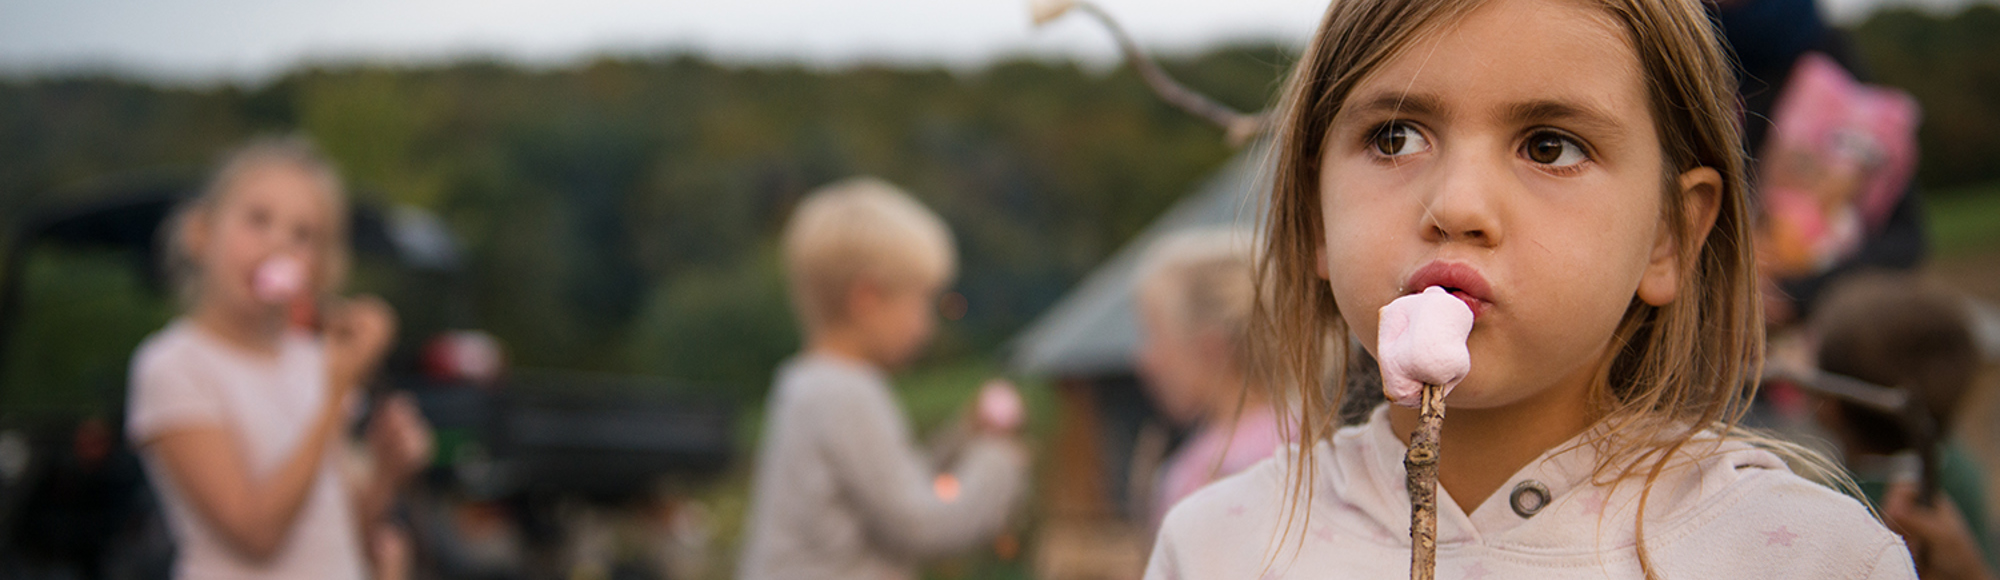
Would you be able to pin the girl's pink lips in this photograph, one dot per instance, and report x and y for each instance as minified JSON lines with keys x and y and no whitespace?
{"x":1460,"y":279}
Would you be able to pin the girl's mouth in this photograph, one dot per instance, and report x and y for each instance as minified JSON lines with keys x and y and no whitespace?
{"x":278,"y":280}
{"x":1463,"y":281}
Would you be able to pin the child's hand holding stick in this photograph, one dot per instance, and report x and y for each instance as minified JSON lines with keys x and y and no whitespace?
{"x":1423,"y":355}
{"x":358,"y":330}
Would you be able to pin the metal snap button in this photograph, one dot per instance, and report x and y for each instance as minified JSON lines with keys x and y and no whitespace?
{"x":1529,"y":498}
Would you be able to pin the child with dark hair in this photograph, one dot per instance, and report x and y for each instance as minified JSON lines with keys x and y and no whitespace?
{"x":1901,"y":330}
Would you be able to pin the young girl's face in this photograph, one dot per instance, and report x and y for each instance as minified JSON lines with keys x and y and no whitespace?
{"x":269,"y":210}
{"x":1511,"y":157}
{"x":1174,"y":367}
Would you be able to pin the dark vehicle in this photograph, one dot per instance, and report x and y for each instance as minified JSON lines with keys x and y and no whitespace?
{"x":517,"y":449}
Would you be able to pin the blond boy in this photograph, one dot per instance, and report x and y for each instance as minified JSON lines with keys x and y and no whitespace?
{"x":840,"y":490}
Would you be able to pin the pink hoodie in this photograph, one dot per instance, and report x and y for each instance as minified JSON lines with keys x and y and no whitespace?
{"x":1724,"y":509}
{"x":1215,"y":451}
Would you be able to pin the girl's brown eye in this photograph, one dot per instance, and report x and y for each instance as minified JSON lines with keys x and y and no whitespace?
{"x":1398,"y":139}
{"x":1556,"y":150}
{"x":1388,"y":142}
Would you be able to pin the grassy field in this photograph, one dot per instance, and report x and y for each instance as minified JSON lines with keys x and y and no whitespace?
{"x":1965,"y":239}
{"x":1965,"y":221}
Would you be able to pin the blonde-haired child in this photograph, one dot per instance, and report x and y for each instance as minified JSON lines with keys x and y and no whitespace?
{"x":1196,"y":291}
{"x":1572,"y":171}
{"x":840,"y":489}
{"x":239,"y":414}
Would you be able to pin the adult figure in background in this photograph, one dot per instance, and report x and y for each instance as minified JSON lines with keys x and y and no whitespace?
{"x":1833,"y":157}
{"x":1833,"y":176}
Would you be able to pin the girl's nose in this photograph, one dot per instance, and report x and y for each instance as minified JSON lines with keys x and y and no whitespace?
{"x":1464,"y":206}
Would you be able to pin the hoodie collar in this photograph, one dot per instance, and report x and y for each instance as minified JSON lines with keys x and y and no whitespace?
{"x":1363,"y":468}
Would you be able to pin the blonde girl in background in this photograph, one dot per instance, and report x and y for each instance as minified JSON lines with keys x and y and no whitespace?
{"x":1196,"y":291}
{"x":240,"y":414}
{"x":1572,"y":171}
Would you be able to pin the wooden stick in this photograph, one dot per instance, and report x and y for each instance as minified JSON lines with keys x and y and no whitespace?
{"x":1421,"y":464}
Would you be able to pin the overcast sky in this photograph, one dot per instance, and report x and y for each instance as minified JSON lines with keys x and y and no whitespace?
{"x":247,"y":41}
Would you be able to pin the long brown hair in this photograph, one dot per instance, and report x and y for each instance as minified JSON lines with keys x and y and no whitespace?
{"x":1680,"y":369}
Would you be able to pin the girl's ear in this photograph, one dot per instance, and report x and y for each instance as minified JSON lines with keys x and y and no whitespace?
{"x":192,"y":229}
{"x":1319,"y":262}
{"x":1700,"y":192}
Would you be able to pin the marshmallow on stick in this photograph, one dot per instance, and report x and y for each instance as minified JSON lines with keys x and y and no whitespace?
{"x":1421,"y":342}
{"x":279,"y":280}
{"x":1000,"y":406}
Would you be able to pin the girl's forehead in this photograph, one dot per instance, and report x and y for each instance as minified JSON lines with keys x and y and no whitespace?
{"x":1512,"y":58}
{"x":281,"y":185}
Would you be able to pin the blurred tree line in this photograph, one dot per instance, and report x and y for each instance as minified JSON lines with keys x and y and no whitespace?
{"x":1952,"y":66}
{"x":621,"y":215}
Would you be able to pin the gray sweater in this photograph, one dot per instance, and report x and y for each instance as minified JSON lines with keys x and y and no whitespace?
{"x":841,"y":491}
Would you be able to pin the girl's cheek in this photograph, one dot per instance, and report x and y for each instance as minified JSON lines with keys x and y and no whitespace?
{"x":225,"y":249}
{"x":1361,"y":321}
{"x":318,"y":269}
{"x":243,"y":239}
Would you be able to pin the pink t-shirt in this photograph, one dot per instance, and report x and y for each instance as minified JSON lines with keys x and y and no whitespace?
{"x":183,"y":377}
{"x":1215,"y":451}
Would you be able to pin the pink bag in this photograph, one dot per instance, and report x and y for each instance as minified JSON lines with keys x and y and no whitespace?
{"x":1840,"y":155}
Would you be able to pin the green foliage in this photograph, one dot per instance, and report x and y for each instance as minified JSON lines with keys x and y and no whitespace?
{"x":614,"y":212}
{"x":618,"y":214}
{"x":1952,"y":65}
{"x":81,"y":312}
{"x":730,"y":327}
{"x":1966,"y":220}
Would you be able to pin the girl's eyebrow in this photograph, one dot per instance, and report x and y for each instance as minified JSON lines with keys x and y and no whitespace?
{"x":1582,"y":116}
{"x":1400,"y":103}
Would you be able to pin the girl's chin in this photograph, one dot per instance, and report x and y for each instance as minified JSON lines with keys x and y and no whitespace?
{"x":248,"y":305}
{"x":1479,"y":396}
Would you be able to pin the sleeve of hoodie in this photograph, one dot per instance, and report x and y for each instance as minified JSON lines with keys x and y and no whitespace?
{"x":869,"y":448}
{"x":1893,"y":563}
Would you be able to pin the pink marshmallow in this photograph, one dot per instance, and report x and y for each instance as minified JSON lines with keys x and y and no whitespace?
{"x":1000,"y":406}
{"x":1422,"y":340}
{"x":279,"y":280}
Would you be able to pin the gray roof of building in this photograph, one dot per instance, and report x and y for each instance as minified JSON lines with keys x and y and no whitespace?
{"x":1093,"y":329}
